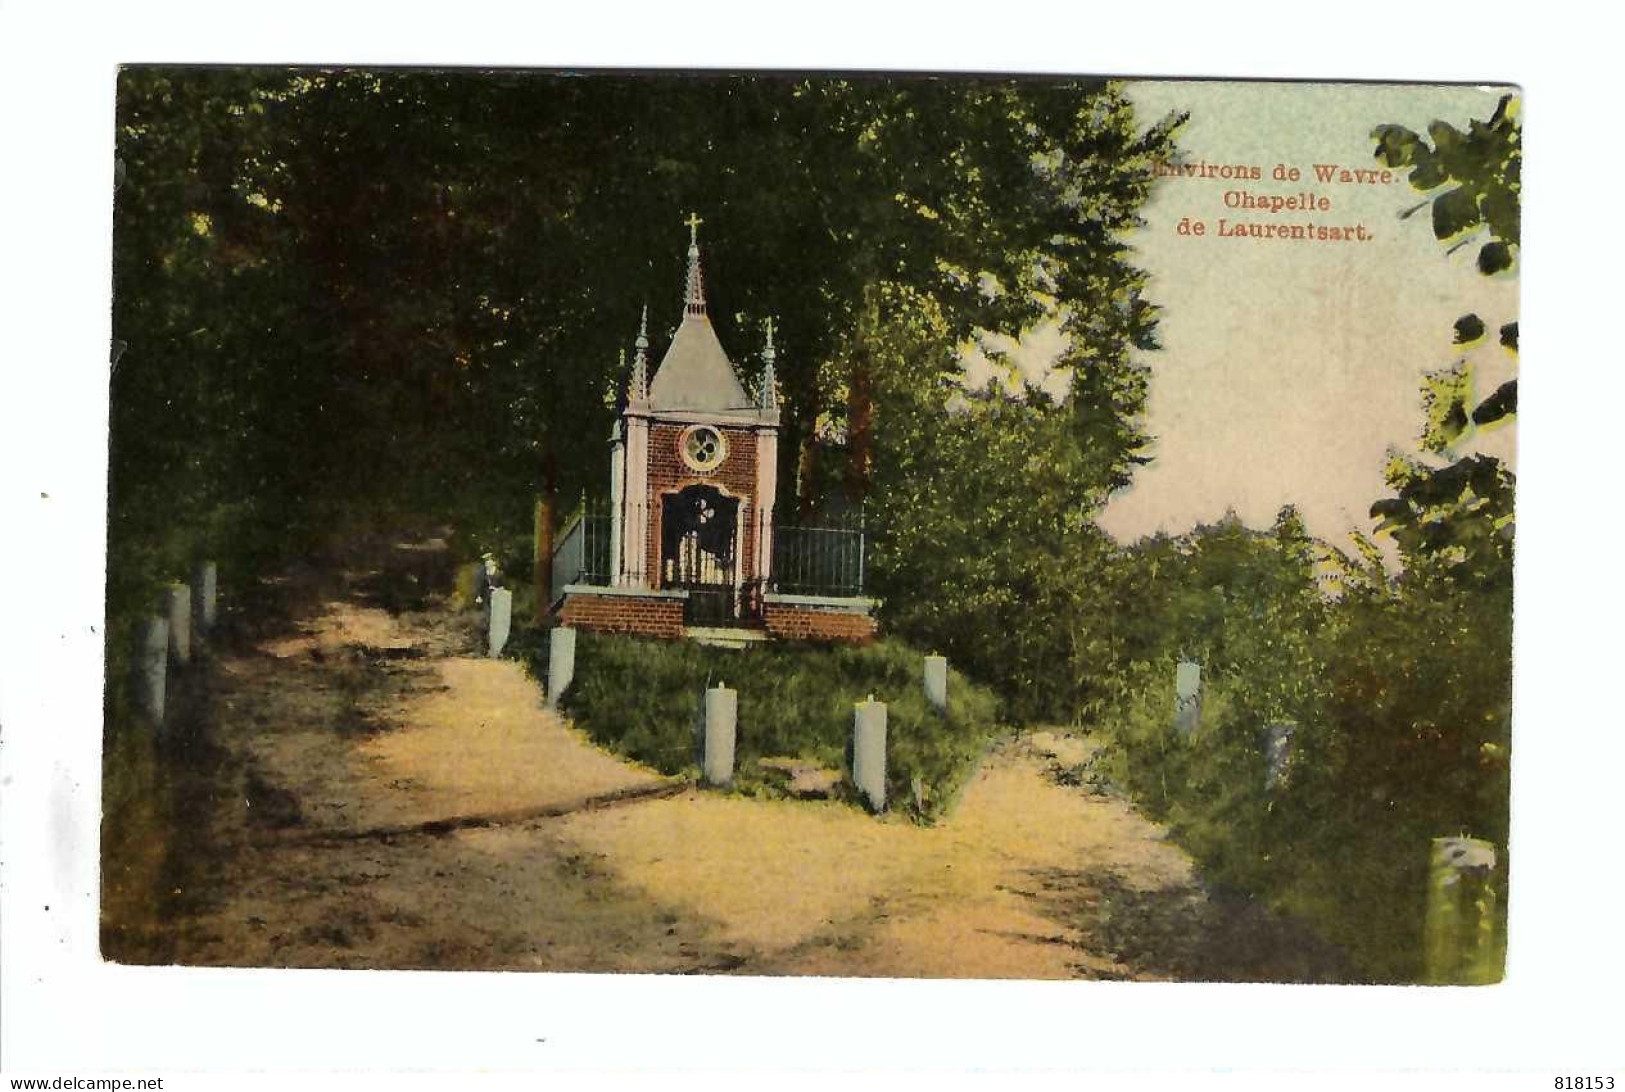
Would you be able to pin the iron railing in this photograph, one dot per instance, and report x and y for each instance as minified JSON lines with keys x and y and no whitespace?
{"x":582,"y":553}
{"x":817,"y":560}
{"x":823,"y":560}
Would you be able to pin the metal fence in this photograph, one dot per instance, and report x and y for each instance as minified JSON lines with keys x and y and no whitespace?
{"x":582,"y":555}
{"x":817,"y":560}
{"x":807,"y":560}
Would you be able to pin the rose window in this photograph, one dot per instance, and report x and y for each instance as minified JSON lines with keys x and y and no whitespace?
{"x":703,"y":448}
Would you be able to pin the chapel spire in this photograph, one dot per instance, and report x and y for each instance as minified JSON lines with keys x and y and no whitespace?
{"x":694,"y":294}
{"x":639,"y":391}
{"x":695,"y":372}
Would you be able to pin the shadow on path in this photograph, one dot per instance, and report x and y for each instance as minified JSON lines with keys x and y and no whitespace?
{"x":1183,"y":932}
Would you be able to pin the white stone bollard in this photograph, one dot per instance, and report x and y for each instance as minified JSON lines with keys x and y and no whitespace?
{"x":721,"y":724}
{"x":205,"y":581}
{"x":152,"y":667}
{"x":561,"y":663}
{"x":1188,"y":697}
{"x":869,"y":751}
{"x":177,"y":600}
{"x":1278,"y":752}
{"x":936,"y":681}
{"x":1462,"y":942}
{"x":501,"y":621}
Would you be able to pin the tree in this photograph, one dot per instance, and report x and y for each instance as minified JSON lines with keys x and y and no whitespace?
{"x":443,"y":265}
{"x":1459,"y":516}
{"x":1451,"y":606}
{"x":1473,"y":181}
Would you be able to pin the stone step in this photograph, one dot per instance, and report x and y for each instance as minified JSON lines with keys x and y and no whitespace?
{"x":725,"y":636}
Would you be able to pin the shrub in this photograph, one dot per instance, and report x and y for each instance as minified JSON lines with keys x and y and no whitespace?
{"x":1401,"y":738}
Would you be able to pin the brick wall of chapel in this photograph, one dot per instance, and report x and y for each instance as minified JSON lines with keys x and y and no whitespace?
{"x":623,"y":614}
{"x":668,"y":473}
{"x":797,"y":623}
{"x":652,"y":617}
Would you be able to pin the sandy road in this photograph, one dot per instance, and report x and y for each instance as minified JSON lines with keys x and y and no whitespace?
{"x":368,"y":709}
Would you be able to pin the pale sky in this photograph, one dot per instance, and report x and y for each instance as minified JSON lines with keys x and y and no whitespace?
{"x":1289,"y":368}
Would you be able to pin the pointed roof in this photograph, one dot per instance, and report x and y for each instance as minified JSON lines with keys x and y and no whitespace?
{"x":695,"y":373}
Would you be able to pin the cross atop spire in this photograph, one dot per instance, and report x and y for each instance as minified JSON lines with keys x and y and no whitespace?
{"x":695,"y":372}
{"x":694,"y":295}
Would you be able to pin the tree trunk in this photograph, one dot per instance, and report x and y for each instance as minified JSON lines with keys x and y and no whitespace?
{"x":542,"y":536}
{"x":860,"y":403}
{"x":860,"y":415}
{"x":806,"y":482}
{"x":543,"y":559}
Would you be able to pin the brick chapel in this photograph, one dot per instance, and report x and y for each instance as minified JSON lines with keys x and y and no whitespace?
{"x":687,"y":544}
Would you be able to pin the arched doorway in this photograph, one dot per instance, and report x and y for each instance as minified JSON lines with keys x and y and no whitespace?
{"x":699,"y":551}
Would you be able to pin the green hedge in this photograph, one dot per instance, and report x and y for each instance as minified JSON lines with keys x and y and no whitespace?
{"x":1328,"y":846}
{"x":642,"y":698}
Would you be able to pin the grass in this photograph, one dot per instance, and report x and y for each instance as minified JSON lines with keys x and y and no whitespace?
{"x":642,"y":698}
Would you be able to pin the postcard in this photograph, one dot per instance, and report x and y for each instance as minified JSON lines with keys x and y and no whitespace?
{"x":811,"y":524}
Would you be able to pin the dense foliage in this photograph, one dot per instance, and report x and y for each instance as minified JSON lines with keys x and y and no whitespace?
{"x":1398,"y":690}
{"x":345,"y":291}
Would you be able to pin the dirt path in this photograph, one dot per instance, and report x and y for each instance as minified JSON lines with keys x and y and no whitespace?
{"x":368,"y":710}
